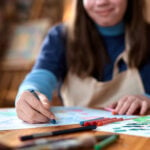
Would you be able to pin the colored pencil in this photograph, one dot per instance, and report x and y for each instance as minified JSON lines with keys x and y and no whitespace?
{"x":59,"y":132}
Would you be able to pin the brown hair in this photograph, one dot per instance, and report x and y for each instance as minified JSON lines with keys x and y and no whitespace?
{"x":86,"y":54}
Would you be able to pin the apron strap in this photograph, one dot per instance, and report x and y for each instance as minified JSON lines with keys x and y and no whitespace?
{"x":123,"y":56}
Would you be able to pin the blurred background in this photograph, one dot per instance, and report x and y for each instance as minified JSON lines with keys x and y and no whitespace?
{"x":23,"y":25}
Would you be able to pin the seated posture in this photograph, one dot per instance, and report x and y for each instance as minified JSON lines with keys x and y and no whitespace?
{"x":99,"y":58}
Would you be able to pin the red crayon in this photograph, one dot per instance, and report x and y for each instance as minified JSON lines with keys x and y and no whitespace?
{"x":94,"y":122}
{"x":106,"y":121}
{"x":101,"y":123}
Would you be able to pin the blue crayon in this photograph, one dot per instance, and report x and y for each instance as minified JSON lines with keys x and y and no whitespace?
{"x":82,"y":122}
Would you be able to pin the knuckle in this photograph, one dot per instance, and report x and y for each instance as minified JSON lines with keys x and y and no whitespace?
{"x":131,"y":98}
{"x":136,"y":103}
{"x":121,"y":101}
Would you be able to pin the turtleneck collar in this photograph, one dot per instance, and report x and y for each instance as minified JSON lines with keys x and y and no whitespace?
{"x":115,"y":30}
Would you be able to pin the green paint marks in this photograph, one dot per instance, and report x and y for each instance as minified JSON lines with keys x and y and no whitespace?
{"x":120,"y":130}
{"x":116,"y":128}
{"x":145,"y":119}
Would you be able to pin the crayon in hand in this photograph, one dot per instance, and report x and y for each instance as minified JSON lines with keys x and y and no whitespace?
{"x":53,"y":121}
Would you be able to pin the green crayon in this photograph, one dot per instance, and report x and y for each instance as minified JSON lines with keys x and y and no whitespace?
{"x":106,"y":142}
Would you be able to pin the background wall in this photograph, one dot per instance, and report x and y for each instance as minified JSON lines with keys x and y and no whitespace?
{"x":18,"y":20}
{"x":148,"y":10}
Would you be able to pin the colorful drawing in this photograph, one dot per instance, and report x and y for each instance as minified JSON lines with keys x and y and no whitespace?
{"x":64,"y":116}
{"x":139,"y":127}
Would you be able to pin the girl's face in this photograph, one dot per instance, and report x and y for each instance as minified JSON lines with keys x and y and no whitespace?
{"x":105,"y":12}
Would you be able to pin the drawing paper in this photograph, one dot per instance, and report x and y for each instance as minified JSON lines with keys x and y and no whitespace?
{"x":64,"y":116}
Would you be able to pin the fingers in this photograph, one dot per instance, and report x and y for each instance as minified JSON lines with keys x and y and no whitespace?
{"x":32,"y":110}
{"x":44,"y":100}
{"x":119,"y":108}
{"x":30,"y":115}
{"x":127,"y":105}
{"x":133,"y":108}
{"x":37,"y":105}
{"x":130,"y":104}
{"x":144,"y":108}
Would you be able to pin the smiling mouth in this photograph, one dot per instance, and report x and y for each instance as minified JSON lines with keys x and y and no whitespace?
{"x":104,"y":12}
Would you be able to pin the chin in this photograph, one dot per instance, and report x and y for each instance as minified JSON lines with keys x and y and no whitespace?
{"x":107,"y":24}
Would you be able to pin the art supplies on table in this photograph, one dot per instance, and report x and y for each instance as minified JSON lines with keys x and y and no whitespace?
{"x":59,"y":132}
{"x":100,"y":121}
{"x":85,"y":141}
{"x":106,"y":142}
{"x":64,"y":116}
{"x":139,"y":126}
{"x":82,"y":122}
{"x":43,"y":141}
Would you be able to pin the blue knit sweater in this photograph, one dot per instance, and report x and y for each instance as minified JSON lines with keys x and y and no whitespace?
{"x":50,"y":67}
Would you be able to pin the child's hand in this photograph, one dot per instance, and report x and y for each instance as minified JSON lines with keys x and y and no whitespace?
{"x":32,"y":110}
{"x":130,"y":104}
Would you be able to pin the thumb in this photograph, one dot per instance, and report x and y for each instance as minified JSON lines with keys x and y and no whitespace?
{"x":44,"y":100}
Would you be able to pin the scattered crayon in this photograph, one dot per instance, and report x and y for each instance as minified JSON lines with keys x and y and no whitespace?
{"x":102,"y":121}
{"x":109,"y":121}
{"x":53,"y":133}
{"x":111,"y":110}
{"x":84,"y":141}
{"x":89,"y":123}
{"x":82,"y":122}
{"x":106,"y":142}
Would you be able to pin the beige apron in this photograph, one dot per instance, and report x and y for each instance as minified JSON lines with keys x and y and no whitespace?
{"x":89,"y":92}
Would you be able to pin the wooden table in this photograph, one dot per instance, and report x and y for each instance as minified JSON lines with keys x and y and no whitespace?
{"x":125,"y":142}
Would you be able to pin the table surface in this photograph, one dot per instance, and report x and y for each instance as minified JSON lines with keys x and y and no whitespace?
{"x":125,"y":142}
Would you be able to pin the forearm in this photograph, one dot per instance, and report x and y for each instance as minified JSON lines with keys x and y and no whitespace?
{"x":39,"y":80}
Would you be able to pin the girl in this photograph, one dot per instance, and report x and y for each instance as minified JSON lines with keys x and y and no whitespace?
{"x":100,"y":58}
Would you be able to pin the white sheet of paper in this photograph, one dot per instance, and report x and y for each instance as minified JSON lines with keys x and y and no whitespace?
{"x":64,"y":116}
